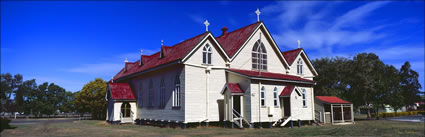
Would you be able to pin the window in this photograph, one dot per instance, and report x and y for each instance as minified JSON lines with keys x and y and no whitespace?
{"x":125,"y":109}
{"x":151,"y":96}
{"x":300,"y":66}
{"x":275,"y":96}
{"x":139,"y":95}
{"x":176,"y":93}
{"x":162,"y":93}
{"x":259,"y":56}
{"x":304,"y":98}
{"x":263,"y":96}
{"x":206,"y":54}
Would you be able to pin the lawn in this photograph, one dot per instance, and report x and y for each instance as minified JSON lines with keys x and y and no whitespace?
{"x":101,"y":128}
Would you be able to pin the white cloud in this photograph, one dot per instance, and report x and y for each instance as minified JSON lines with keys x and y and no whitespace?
{"x":96,"y":69}
{"x":196,"y":18}
{"x":311,"y":23}
{"x":396,"y":52}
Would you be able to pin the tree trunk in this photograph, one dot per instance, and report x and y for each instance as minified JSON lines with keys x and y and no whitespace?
{"x":377,"y":113}
{"x":368,"y":111}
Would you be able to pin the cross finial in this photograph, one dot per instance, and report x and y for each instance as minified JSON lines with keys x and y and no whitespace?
{"x":125,"y":60}
{"x":299,"y":43}
{"x":258,"y":14}
{"x":206,"y":25}
{"x":162,"y":42}
{"x":141,"y":51}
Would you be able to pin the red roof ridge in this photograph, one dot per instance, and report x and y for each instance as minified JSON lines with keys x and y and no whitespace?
{"x":238,"y":29}
{"x":293,"y":50}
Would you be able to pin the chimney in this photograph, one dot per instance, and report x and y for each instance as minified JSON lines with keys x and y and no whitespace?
{"x":224,"y":31}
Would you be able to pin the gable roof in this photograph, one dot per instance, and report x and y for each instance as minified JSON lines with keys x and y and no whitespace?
{"x":121,"y":91}
{"x":171,"y":54}
{"x":269,"y":75}
{"x":232,"y":41}
{"x":291,"y":55}
{"x":287,"y":90}
{"x":234,"y":88}
{"x":332,"y":100}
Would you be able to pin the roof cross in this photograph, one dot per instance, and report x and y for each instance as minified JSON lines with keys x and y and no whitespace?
{"x":299,"y":43}
{"x":206,"y":25}
{"x":125,"y":60}
{"x":141,"y":51}
{"x":162,"y":42}
{"x":258,"y":14}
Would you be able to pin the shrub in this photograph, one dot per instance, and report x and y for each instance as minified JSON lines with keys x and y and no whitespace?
{"x":4,"y":124}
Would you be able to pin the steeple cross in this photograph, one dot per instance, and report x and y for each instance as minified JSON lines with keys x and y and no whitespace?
{"x":258,"y":14}
{"x":206,"y":25}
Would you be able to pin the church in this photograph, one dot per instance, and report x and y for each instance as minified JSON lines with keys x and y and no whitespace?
{"x":240,"y":78}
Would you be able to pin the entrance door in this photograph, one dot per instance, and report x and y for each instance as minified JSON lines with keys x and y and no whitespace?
{"x":125,"y":109}
{"x":237,"y":104}
{"x":286,"y":106}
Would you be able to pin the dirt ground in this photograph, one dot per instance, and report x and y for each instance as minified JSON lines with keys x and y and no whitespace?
{"x":103,"y":129}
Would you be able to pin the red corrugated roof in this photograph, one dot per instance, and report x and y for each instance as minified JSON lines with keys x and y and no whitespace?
{"x":332,"y":100}
{"x":121,"y":91}
{"x":171,"y":54}
{"x":287,"y":90}
{"x":232,"y":41}
{"x":271,"y":75}
{"x":290,"y":55}
{"x":234,"y":88}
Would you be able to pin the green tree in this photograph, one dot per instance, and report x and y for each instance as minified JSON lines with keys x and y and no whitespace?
{"x":331,"y":80}
{"x":409,"y":84}
{"x":365,"y":79}
{"x":394,"y":98}
{"x":92,"y":98}
{"x":68,"y":104}
{"x":9,"y":86}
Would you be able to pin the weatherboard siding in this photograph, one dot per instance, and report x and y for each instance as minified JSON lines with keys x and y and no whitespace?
{"x":307,"y":72}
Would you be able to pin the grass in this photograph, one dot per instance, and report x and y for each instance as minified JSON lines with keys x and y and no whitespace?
{"x":101,"y":128}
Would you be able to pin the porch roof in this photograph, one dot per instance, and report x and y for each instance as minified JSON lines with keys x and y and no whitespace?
{"x":121,"y":91}
{"x":332,"y":100}
{"x":287,"y":90}
{"x":269,"y":75}
{"x":234,"y":88}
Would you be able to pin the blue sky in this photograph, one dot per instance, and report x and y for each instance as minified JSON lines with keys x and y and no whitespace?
{"x":71,"y":43}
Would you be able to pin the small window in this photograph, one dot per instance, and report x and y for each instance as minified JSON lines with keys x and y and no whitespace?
{"x":300,"y":67}
{"x":162,"y":93}
{"x":275,"y":97}
{"x":263,"y":96}
{"x":304,"y":98}
{"x":176,"y":93}
{"x":151,"y":96}
{"x":125,"y":109}
{"x":259,"y":56}
{"x":206,"y":54}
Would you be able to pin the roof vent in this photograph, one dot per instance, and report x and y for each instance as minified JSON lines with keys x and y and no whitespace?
{"x":224,"y":30}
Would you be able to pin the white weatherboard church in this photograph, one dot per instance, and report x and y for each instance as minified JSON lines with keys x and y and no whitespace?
{"x":240,"y":78}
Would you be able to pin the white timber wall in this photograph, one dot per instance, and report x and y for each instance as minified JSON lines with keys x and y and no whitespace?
{"x":117,"y":111}
{"x":243,"y":60}
{"x":298,"y":111}
{"x":269,"y":102}
{"x":307,"y":72}
{"x":199,"y":81}
{"x":140,"y":85}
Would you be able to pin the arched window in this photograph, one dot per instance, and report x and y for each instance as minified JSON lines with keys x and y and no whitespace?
{"x":162,"y":93}
{"x":304,"y":98}
{"x":300,"y":67}
{"x":259,"y":56}
{"x":140,"y":95}
{"x":176,"y":93}
{"x":275,"y":96}
{"x":206,"y":54}
{"x":125,"y":109}
{"x":151,"y":96}
{"x":263,"y":96}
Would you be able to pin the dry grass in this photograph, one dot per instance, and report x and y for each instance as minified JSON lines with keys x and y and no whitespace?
{"x":101,"y":128}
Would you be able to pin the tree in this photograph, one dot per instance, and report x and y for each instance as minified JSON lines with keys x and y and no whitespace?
{"x":9,"y":87}
{"x":365,"y":79}
{"x":91,"y":98}
{"x":332,"y":79}
{"x":409,"y":84}
{"x":394,"y":98}
{"x":68,"y":104}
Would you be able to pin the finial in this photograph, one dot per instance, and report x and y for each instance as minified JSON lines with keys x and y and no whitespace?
{"x":162,"y":42}
{"x":206,"y":25}
{"x":258,"y":14}
{"x":141,"y":51}
{"x":125,"y":60}
{"x":299,"y":43}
